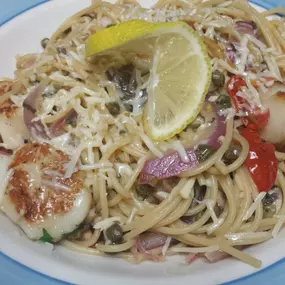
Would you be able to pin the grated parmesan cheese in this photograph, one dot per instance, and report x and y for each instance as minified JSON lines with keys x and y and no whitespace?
{"x":185,"y":192}
{"x":228,"y":113}
{"x":220,"y":221}
{"x":278,"y":225}
{"x":70,"y":166}
{"x":56,"y":185}
{"x":226,"y":66}
{"x":131,"y":217}
{"x":166,"y":246}
{"x":52,"y":173}
{"x":210,"y":206}
{"x":124,"y":169}
{"x":161,"y":195}
{"x":252,"y":95}
{"x":151,"y":145}
{"x":105,"y":22}
{"x":34,"y":175}
{"x":100,"y":165}
{"x":105,"y":224}
{"x":273,"y":67}
{"x":254,"y":205}
{"x":244,"y":54}
{"x":195,"y":249}
{"x":257,"y":42}
{"x":177,"y":145}
{"x":247,"y":235}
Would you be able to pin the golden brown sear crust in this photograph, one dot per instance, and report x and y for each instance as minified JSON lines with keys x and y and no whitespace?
{"x":281,"y":95}
{"x":7,"y":108}
{"x":5,"y":86}
{"x":33,"y":194}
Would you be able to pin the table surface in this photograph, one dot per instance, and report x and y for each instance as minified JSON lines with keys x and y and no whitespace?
{"x":12,"y":273}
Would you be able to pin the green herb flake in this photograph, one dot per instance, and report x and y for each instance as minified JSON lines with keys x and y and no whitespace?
{"x":46,"y":237}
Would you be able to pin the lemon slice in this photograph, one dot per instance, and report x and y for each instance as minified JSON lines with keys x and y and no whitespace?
{"x":180,"y":74}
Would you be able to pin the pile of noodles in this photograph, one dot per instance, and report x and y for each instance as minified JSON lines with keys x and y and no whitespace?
{"x":113,"y":150}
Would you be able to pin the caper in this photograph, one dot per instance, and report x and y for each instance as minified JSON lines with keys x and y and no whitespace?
{"x":34,"y":79}
{"x":61,"y":50}
{"x":72,"y":120}
{"x":218,"y":210}
{"x":203,"y":152}
{"x":197,"y":122}
{"x":124,"y":81}
{"x":269,"y":211}
{"x":128,"y":107}
{"x":79,"y":79}
{"x":218,"y":78}
{"x":44,"y":42}
{"x":199,"y":194}
{"x":254,"y":25}
{"x":113,"y":108}
{"x":65,"y":73}
{"x":114,"y":233}
{"x":232,"y":153}
{"x":270,"y":201}
{"x":91,"y":16}
{"x":224,"y":101}
{"x":199,"y":191}
{"x":192,"y":219}
{"x":144,"y":190}
{"x":122,"y":132}
{"x":67,"y":31}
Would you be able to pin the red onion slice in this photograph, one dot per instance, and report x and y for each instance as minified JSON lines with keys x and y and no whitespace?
{"x":57,"y":128}
{"x":191,"y":257}
{"x":230,"y":52}
{"x":5,"y":152}
{"x":172,"y":165}
{"x":149,"y":241}
{"x":35,"y":127}
{"x":168,"y":166}
{"x":246,"y":27}
{"x":232,"y":49}
{"x":220,"y":128}
{"x":216,"y":256}
{"x":139,"y":248}
{"x":220,"y":255}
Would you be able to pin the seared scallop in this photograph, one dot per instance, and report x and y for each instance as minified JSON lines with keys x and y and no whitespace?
{"x":12,"y":128}
{"x":39,"y":198}
{"x":274,"y":100}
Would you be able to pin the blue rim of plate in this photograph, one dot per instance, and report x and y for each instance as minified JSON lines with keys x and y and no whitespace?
{"x":12,"y":266}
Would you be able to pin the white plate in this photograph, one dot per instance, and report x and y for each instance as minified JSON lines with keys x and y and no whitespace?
{"x":23,"y":35}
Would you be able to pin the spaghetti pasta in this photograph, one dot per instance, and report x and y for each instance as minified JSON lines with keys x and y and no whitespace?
{"x":213,"y":206}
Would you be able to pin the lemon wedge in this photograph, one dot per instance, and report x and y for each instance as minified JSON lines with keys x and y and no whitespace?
{"x":180,"y":74}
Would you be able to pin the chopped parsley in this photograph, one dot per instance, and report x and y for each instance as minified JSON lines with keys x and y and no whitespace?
{"x":46,"y":237}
